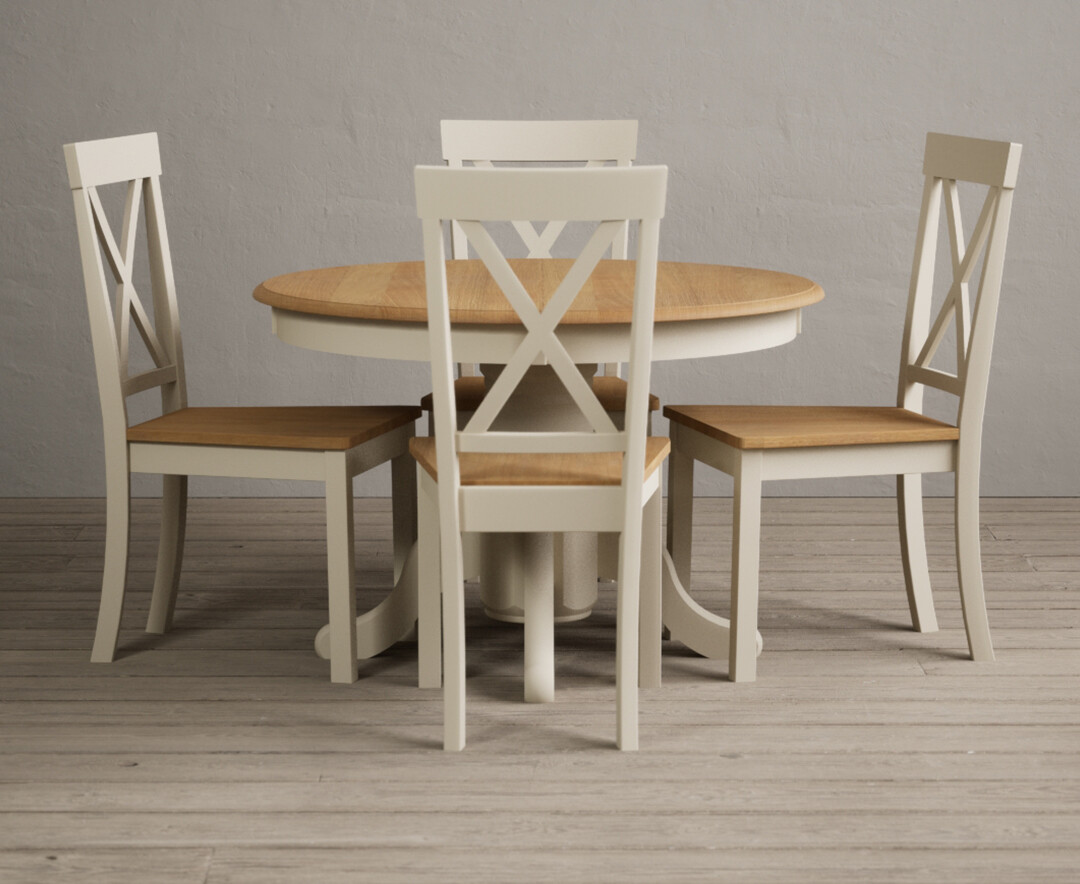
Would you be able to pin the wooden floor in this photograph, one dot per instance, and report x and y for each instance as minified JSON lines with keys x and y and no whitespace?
{"x":221,"y":752}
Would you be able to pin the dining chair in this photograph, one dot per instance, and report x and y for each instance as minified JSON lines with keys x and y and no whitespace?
{"x":593,"y":144}
{"x":481,"y":144}
{"x":757,"y":443}
{"x":606,"y":478}
{"x":330,"y":444}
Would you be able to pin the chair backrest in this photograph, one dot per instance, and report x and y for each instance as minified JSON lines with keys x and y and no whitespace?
{"x":950,"y":159}
{"x":608,"y":196}
{"x":482,"y":143}
{"x":486,"y":142}
{"x":134,"y":161}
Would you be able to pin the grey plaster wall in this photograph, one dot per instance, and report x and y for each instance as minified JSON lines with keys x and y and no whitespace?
{"x":793,"y":130}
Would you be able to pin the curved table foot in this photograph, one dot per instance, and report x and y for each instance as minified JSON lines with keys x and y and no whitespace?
{"x":385,"y":624}
{"x":688,"y":622}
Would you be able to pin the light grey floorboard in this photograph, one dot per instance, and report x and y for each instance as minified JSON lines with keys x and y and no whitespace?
{"x":221,"y":754}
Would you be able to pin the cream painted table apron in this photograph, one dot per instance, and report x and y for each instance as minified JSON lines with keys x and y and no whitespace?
{"x":379,"y":311}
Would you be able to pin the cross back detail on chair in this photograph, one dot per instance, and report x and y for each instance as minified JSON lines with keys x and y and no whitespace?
{"x":540,"y":342}
{"x":471,"y":196}
{"x":948,"y":160}
{"x":486,"y":142}
{"x":135,"y":161}
{"x":483,"y":143}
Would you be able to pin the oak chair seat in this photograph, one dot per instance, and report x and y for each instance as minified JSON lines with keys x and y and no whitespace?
{"x":590,"y":468}
{"x":314,"y":427}
{"x":749,"y":427}
{"x":609,"y":389}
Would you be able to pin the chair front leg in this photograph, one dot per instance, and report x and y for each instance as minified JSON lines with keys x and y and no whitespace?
{"x":170,"y":553}
{"x":114,"y":578}
{"x":745,"y":561}
{"x":969,"y":560}
{"x":909,"y":504}
{"x":341,"y":568}
{"x":453,"y":618}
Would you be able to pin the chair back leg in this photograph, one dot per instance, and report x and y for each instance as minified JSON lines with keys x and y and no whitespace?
{"x":627,"y":630}
{"x":170,"y":553}
{"x":680,"y":511}
{"x":429,"y":586}
{"x":403,"y":502}
{"x":913,"y":552}
{"x":114,"y":578}
{"x":649,"y":650}
{"x":969,"y":562}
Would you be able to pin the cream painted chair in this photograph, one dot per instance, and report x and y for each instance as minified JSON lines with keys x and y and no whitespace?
{"x":758,"y":443}
{"x":326,"y":444}
{"x":478,"y":480}
{"x":594,"y":144}
{"x":482,"y":143}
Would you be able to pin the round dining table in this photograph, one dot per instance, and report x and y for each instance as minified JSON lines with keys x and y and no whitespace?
{"x":380,"y":311}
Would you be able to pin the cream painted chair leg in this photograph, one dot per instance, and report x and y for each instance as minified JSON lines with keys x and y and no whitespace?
{"x":453,"y":618}
{"x":114,"y":578}
{"x":627,"y":628}
{"x":649,"y":665}
{"x":913,"y":552}
{"x":170,"y":553}
{"x":341,"y":570}
{"x":745,"y":561}
{"x":969,"y":563}
{"x":680,"y":512}
{"x":403,"y":493}
{"x":429,"y":590}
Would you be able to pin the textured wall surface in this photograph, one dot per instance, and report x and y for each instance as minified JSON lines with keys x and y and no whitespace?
{"x":794,"y":133}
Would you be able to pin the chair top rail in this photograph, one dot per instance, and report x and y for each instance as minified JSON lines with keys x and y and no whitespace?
{"x":547,"y":141}
{"x":993,"y":163}
{"x":511,"y":194}
{"x":112,"y":160}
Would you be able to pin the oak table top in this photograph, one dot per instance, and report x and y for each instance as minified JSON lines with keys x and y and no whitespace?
{"x":395,"y":292}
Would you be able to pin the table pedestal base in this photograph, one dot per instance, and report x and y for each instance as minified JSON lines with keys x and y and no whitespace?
{"x":702,"y":631}
{"x":392,"y":619}
{"x":537,"y":579}
{"x":388,"y":622}
{"x":510,"y":562}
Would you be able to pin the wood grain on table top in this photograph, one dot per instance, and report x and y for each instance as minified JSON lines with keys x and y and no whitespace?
{"x":396,"y":292}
